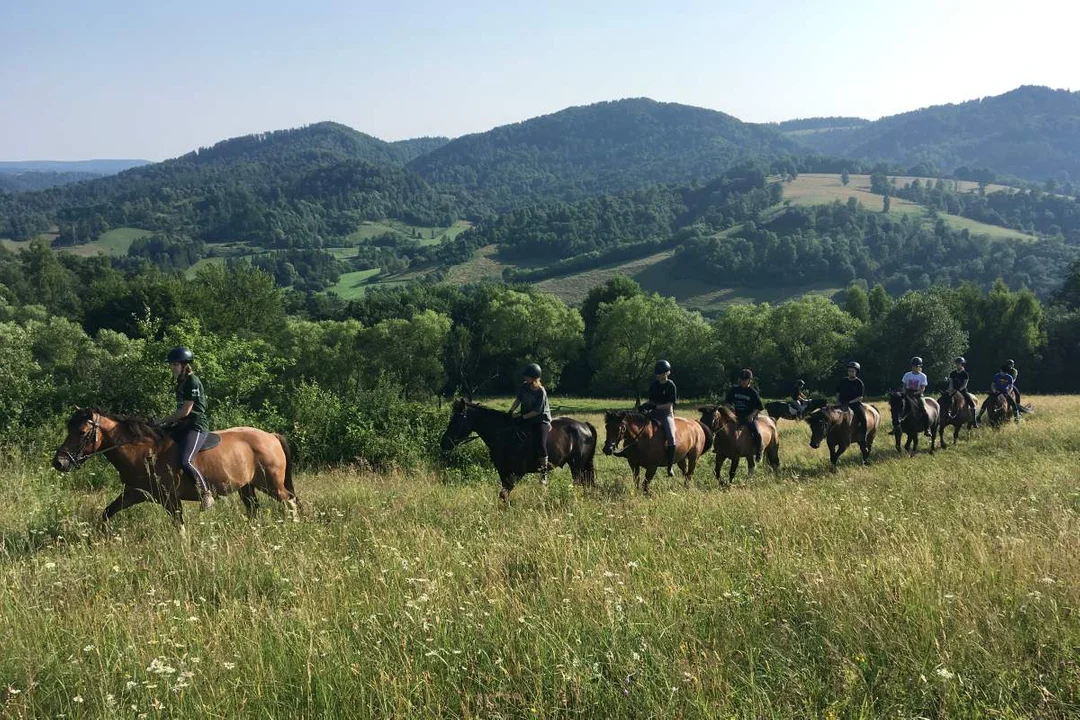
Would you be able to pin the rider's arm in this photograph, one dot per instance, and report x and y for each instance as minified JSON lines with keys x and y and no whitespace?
{"x":180,"y":414}
{"x":517,"y":401}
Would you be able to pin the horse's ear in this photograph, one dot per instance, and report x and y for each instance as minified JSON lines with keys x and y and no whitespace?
{"x":77,"y":408}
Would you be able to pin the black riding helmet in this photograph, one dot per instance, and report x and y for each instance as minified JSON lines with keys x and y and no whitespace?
{"x":960,"y":361}
{"x":800,"y":383}
{"x":916,"y":361}
{"x":1010,"y":363}
{"x":532,"y":370}
{"x":746,"y":374}
{"x":180,"y":355}
{"x":662,"y":366}
{"x":855,"y":365}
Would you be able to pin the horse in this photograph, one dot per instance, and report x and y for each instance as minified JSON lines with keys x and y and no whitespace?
{"x":240,"y":459}
{"x":996,"y":407}
{"x":836,"y":425}
{"x":955,"y":411}
{"x":731,"y":441}
{"x":570,"y":442}
{"x":785,"y":409}
{"x":648,"y":445}
{"x":908,"y":421}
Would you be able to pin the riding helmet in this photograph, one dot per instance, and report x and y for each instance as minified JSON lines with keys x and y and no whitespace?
{"x":916,"y":360}
{"x":855,"y":365}
{"x":532,"y":370}
{"x":180,"y":355}
{"x":746,"y":374}
{"x":800,"y":383}
{"x":662,"y":366}
{"x":1010,"y":363}
{"x":960,"y":360}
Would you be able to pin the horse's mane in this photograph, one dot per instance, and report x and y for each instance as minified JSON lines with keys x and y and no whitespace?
{"x":132,"y":427}
{"x":474,"y":405}
{"x":620,"y":415}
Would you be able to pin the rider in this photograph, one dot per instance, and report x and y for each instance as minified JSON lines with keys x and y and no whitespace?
{"x":533,"y":399}
{"x":1015,"y":372}
{"x":1002,"y":384}
{"x":799,"y":401}
{"x":849,"y":394}
{"x":191,"y":419}
{"x":661,"y":408}
{"x":915,"y":383}
{"x":747,"y":403}
{"x":958,"y":381}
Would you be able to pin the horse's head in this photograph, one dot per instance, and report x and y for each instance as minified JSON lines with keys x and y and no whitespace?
{"x":618,"y":425}
{"x":84,"y":438}
{"x":819,"y":422}
{"x":898,"y":407}
{"x":709,"y":416}
{"x":460,"y":426}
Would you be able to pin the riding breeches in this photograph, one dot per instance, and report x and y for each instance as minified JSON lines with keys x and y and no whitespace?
{"x":191,"y":443}
{"x":540,"y":438}
{"x":750,"y":423}
{"x":667,"y":422}
{"x":859,"y":411}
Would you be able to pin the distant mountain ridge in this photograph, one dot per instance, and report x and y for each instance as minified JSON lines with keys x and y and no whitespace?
{"x":97,"y":167}
{"x":1031,"y":133}
{"x":605,"y":147}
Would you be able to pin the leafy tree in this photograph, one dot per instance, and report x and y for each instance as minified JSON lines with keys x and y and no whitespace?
{"x":878,"y":302}
{"x":845,"y":178}
{"x":857,"y":303}
{"x":409,"y":352}
{"x":886,"y":201}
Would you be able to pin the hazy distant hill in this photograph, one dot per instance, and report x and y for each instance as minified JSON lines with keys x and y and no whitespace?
{"x":1031,"y":133}
{"x":98,"y":167}
{"x":606,"y":147}
{"x":38,"y":180}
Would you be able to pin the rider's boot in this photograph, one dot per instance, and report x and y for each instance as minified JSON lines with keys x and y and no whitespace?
{"x":671,"y":461}
{"x":757,"y":448}
{"x":206,"y":495}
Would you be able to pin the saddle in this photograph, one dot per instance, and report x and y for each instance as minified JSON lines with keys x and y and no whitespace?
{"x":212,"y":439}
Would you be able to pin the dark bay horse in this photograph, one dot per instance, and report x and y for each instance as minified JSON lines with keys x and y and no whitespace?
{"x":244,"y":460}
{"x":647,"y":443}
{"x":571,"y":442}
{"x":997,"y":409}
{"x":784,"y":410}
{"x":836,"y":425}
{"x":732,"y":441}
{"x":955,"y":411}
{"x":908,"y":421}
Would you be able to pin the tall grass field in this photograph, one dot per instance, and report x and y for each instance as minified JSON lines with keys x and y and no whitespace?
{"x":942,"y":586}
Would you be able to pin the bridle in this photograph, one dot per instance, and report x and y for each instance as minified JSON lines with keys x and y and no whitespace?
{"x":463,"y":414}
{"x":78,"y":458}
{"x":624,"y":436}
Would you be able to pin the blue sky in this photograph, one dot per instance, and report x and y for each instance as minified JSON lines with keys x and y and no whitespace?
{"x":154,"y":80}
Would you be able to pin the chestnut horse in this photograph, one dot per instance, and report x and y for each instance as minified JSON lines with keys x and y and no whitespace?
{"x":570,"y":442}
{"x":147,"y":459}
{"x":836,"y":425}
{"x":955,"y":411}
{"x":647,"y":443}
{"x":732,"y":441}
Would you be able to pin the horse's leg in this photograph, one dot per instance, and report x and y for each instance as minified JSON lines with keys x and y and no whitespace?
{"x":834,"y":456}
{"x":772,"y":453}
{"x":173,"y":506}
{"x":637,"y":475}
{"x":933,"y":438}
{"x":507,"y":482}
{"x":686,"y":466}
{"x":251,"y":502}
{"x":751,"y":463}
{"x":734,"y":468}
{"x":897,"y":434}
{"x":649,"y":472}
{"x":128,"y":496}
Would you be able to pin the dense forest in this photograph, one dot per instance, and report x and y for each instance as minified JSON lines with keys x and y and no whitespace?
{"x":1031,"y":133}
{"x":11,"y":182}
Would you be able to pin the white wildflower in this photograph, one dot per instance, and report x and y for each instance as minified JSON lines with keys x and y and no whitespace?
{"x":229,"y":665}
{"x":944,"y":674}
{"x":78,"y":699}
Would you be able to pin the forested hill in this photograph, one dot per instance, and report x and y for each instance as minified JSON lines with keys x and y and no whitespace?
{"x":1031,"y":133}
{"x":39,"y":180}
{"x":608,"y":147}
{"x":280,"y":188}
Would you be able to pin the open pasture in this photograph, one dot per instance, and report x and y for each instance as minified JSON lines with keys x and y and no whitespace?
{"x":933,"y":586}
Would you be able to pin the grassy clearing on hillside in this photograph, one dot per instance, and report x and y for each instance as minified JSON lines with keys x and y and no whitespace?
{"x":483,"y":265}
{"x":939,"y":586}
{"x":427,"y":235}
{"x":352,"y":285}
{"x":114,"y":242}
{"x":819,"y":189}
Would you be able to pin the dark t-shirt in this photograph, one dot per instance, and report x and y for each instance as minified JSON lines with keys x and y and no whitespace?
{"x":534,"y":400}
{"x":662,"y":393}
{"x":849,"y":389}
{"x":745,"y":400}
{"x":190,"y":388}
{"x":959,"y":379}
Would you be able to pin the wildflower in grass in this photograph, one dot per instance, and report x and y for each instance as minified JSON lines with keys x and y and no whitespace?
{"x":229,"y":665}
{"x":13,"y":691}
{"x":159,"y":666}
{"x":131,"y":685}
{"x":88,"y":648}
{"x":944,"y":674}
{"x":78,"y":699}
{"x":50,"y":566}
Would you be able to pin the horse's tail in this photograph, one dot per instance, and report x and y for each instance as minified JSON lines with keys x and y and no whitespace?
{"x":708,"y":436}
{"x":588,"y":454}
{"x":289,"y":462}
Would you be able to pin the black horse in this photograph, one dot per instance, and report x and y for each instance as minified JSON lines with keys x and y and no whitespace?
{"x":571,"y":442}
{"x":907,"y":420}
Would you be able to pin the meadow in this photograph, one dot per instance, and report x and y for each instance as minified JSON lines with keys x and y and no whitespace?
{"x":932,"y":586}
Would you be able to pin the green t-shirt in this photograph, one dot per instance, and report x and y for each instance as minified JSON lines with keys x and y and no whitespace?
{"x":190,"y":388}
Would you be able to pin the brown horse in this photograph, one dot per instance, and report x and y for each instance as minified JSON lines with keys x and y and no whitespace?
{"x":647,"y":443}
{"x":836,"y":425}
{"x":147,"y":459}
{"x":997,"y":410}
{"x":570,"y":442}
{"x":955,"y":411}
{"x":731,"y":440}
{"x":907,"y":420}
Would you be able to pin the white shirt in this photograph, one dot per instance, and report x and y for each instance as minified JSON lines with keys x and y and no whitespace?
{"x":914,"y":381}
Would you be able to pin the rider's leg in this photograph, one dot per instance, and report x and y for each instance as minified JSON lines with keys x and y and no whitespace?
{"x":1013,"y":406}
{"x":669,"y":433}
{"x":751,"y":424}
{"x":971,"y":403}
{"x":540,"y":438}
{"x":860,"y":420}
{"x":190,"y":445}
